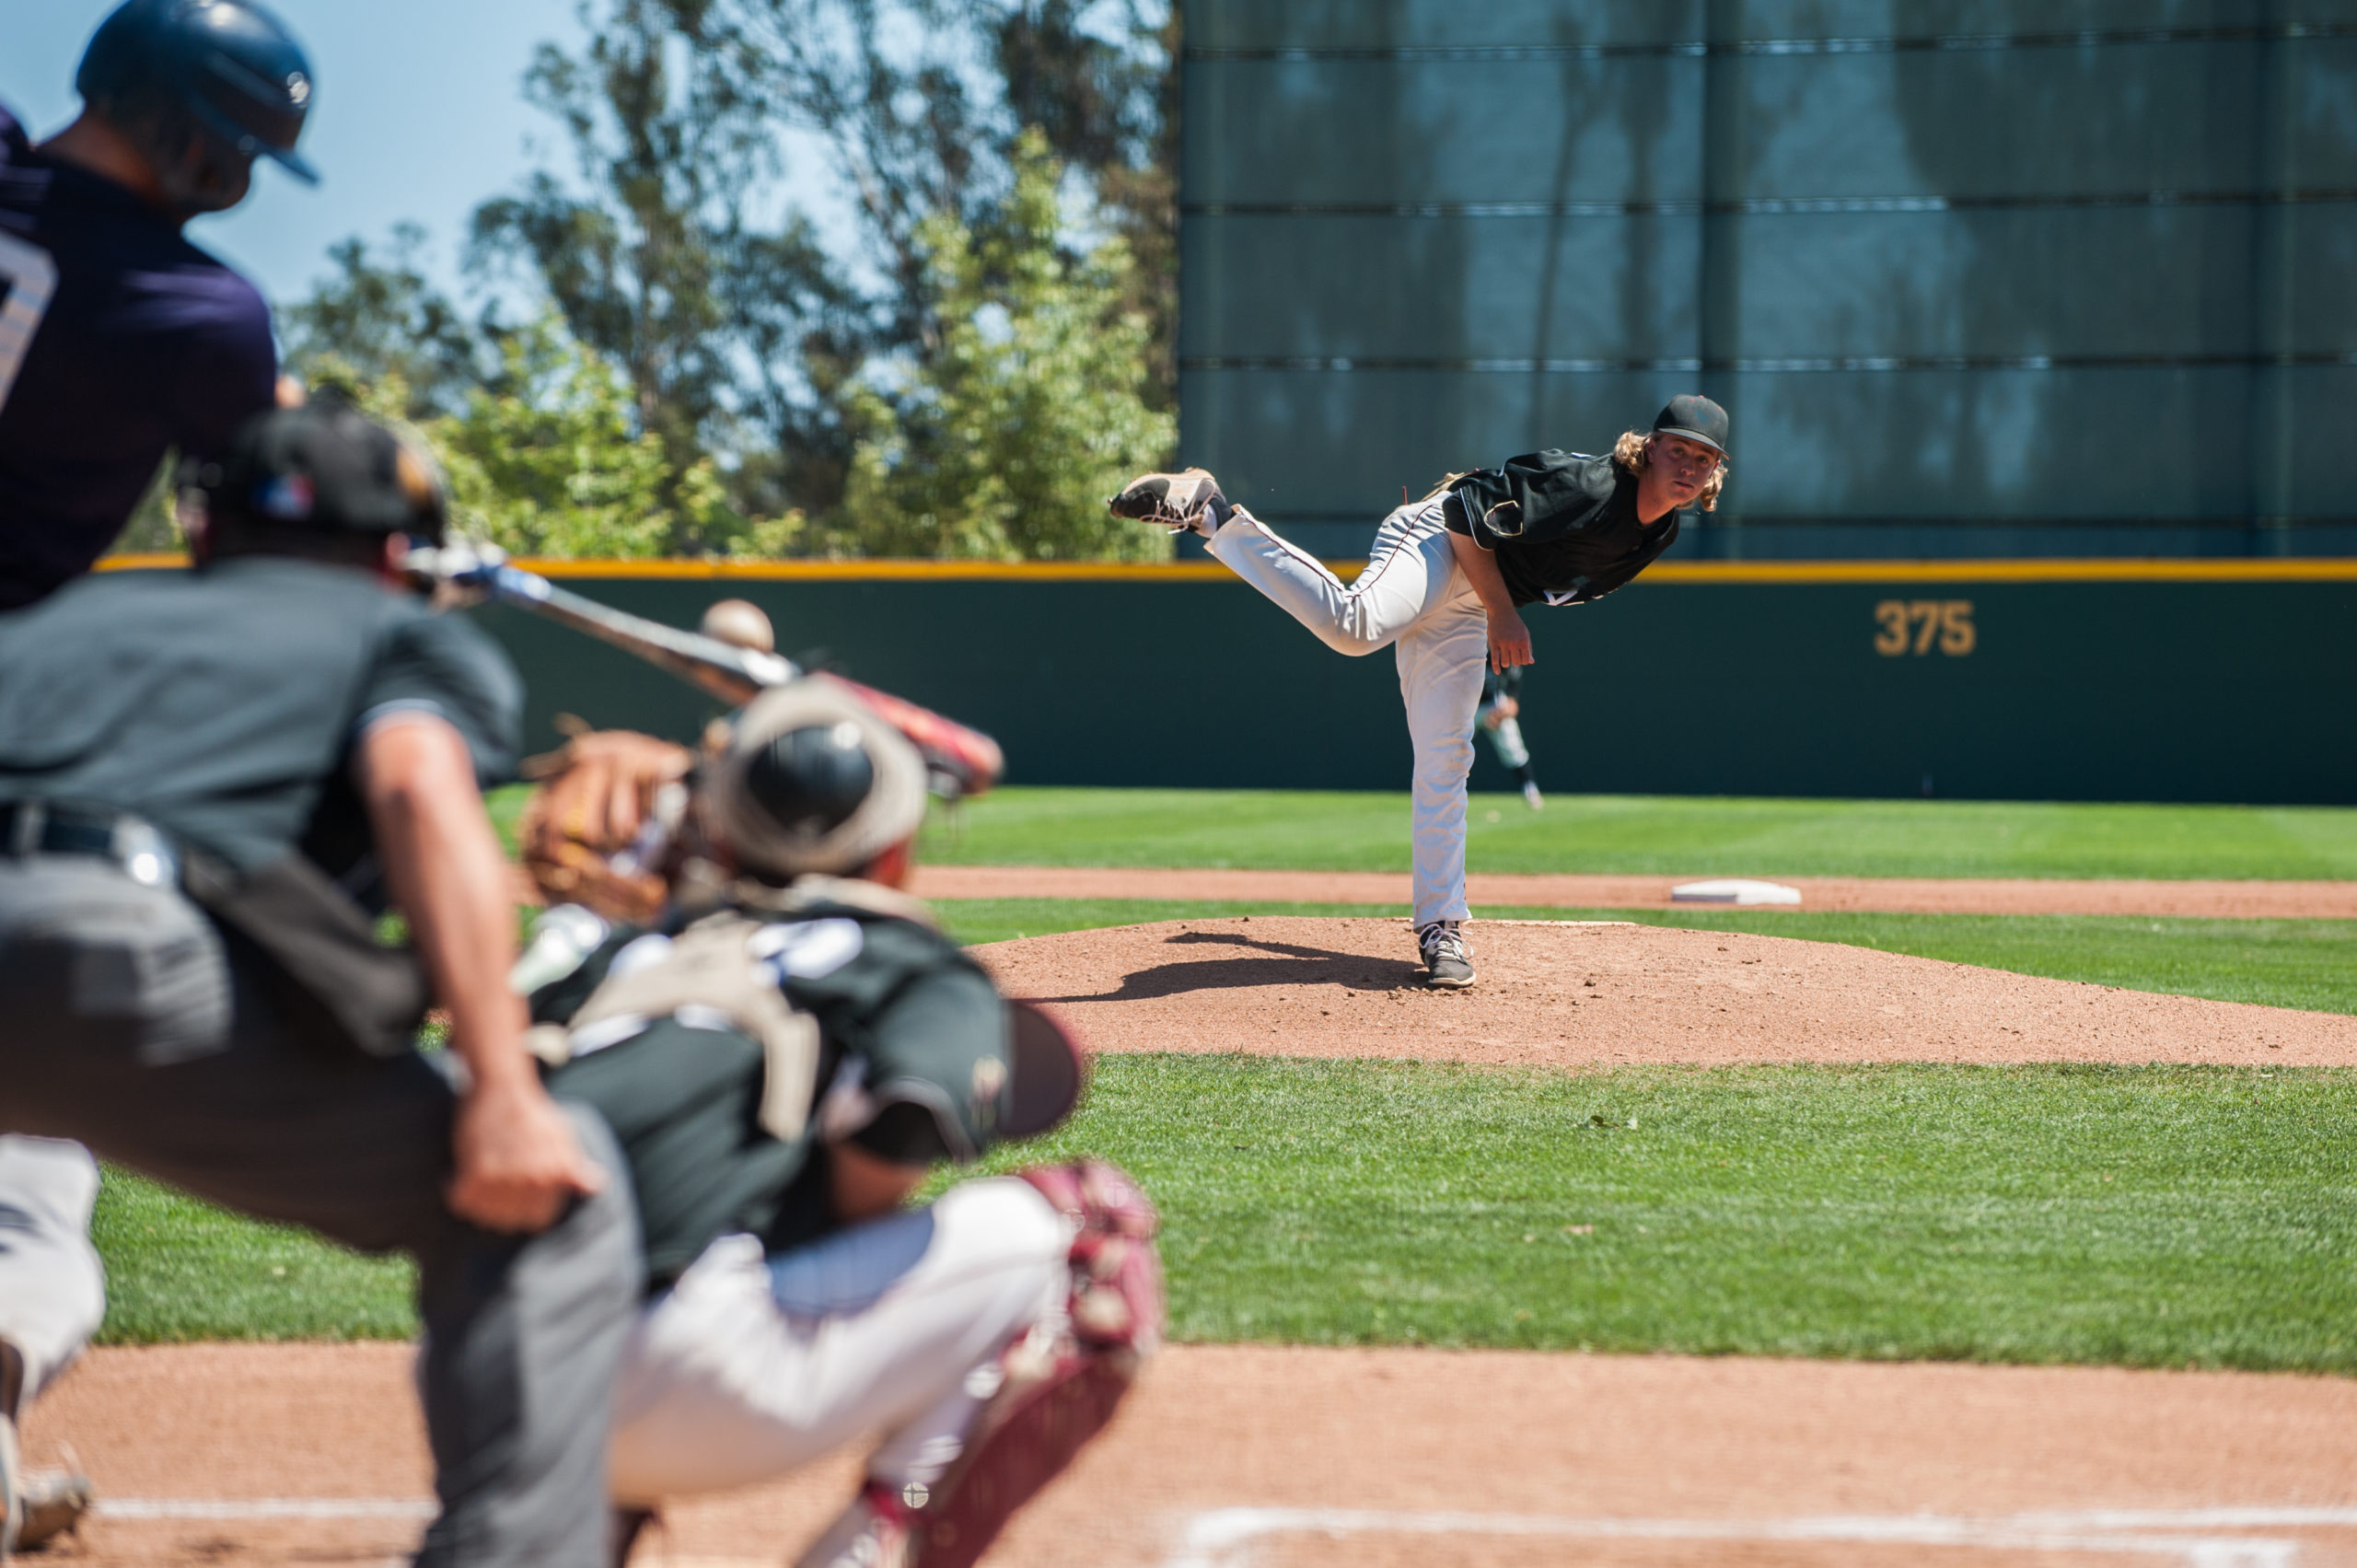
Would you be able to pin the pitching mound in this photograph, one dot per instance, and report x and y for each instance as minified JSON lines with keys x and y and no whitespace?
{"x":1563,"y":994}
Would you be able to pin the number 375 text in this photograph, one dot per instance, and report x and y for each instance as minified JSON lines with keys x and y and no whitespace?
{"x":1905,"y":627}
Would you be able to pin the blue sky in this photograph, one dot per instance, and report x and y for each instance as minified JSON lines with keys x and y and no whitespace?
{"x":420,"y":115}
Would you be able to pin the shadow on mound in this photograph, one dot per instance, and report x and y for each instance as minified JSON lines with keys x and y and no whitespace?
{"x":1285,"y":963}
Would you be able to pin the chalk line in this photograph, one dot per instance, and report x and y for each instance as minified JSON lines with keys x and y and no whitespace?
{"x":1217,"y":1539}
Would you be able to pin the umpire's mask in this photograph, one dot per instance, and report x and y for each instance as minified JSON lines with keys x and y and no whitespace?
{"x":812,"y":782}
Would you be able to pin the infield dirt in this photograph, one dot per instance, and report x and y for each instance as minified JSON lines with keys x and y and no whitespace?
{"x":1573,"y":993}
{"x":1732,"y":1447}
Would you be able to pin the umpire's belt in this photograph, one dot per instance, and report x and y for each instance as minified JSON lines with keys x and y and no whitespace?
{"x":66,"y":826}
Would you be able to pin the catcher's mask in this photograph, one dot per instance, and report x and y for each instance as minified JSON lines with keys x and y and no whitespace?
{"x":812,"y":782}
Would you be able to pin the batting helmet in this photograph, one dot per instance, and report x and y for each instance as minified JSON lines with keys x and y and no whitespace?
{"x":222,"y":78}
{"x":813,"y":782}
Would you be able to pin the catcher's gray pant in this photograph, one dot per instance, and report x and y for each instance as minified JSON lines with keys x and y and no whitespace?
{"x":1412,"y":596}
{"x":53,"y":1289}
{"x":124,"y":1025}
{"x":750,"y":1366}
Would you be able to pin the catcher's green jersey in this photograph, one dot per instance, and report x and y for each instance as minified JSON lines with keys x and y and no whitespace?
{"x":914,"y":1052}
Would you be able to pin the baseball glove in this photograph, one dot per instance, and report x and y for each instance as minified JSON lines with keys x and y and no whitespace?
{"x":595,"y":832}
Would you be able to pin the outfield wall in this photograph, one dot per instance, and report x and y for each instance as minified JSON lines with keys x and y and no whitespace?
{"x":2042,"y":679}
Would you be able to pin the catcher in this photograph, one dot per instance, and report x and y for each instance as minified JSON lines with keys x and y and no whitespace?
{"x":783,"y":1056}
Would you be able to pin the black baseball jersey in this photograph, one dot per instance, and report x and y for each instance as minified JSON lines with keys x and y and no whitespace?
{"x":915,"y":1051}
{"x":1562,"y":526}
{"x":117,"y":341}
{"x":222,"y":704}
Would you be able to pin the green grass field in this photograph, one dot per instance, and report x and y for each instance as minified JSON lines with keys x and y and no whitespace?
{"x":2155,"y":1217}
{"x":180,"y":1270}
{"x":1672,"y":835}
{"x":2158,"y":1216}
{"x":2149,"y":1216}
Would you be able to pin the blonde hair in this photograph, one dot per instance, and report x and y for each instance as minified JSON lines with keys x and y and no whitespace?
{"x":1630,"y":452}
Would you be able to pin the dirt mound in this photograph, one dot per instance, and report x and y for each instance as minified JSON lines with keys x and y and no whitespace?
{"x":1573,"y":993}
{"x":249,"y":1456}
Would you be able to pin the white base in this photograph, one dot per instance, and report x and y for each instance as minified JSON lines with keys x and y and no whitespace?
{"x":1734,"y":890}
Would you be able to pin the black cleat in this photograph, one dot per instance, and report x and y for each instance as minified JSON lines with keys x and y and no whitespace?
{"x":1447,"y":965}
{"x":1185,"y":503}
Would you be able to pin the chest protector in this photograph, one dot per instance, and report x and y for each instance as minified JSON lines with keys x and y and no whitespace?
{"x":710,"y":970}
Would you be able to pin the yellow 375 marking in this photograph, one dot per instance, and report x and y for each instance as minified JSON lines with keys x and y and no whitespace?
{"x":1905,"y":626}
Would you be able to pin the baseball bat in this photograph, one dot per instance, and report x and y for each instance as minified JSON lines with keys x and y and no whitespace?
{"x":961,"y":761}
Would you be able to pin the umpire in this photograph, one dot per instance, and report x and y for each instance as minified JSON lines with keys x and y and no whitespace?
{"x":210,"y":783}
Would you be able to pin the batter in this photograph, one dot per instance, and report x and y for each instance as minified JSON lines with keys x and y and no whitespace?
{"x":1444,"y":585}
{"x":1500,"y":717}
{"x":119,"y":342}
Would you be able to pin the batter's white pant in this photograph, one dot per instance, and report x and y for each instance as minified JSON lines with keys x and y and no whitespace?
{"x":52,"y":1288}
{"x":750,"y":1366}
{"x":1413,"y":596}
{"x":1506,"y":739}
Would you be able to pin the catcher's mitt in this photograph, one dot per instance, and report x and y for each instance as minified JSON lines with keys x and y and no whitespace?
{"x":595,"y":832}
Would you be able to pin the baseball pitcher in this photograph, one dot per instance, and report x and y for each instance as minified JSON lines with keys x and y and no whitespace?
{"x":1444,"y":585}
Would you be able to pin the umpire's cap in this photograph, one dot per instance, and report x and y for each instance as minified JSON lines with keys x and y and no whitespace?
{"x":812,"y":782}
{"x":325,"y":466}
{"x":229,"y":65}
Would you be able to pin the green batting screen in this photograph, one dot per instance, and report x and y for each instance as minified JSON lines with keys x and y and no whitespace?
{"x":1975,"y":278}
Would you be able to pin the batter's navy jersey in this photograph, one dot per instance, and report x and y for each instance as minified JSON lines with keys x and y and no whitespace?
{"x":117,"y":341}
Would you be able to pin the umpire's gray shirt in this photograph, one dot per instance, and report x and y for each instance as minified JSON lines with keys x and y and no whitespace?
{"x":222,"y":703}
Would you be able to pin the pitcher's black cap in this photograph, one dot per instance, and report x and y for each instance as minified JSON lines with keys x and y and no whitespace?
{"x":326,"y":466}
{"x":1697,"y":418}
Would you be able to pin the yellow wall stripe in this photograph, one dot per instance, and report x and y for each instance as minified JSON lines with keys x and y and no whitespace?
{"x":2235,"y":569}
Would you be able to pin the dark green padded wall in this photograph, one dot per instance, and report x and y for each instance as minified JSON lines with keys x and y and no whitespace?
{"x":2124,"y":690}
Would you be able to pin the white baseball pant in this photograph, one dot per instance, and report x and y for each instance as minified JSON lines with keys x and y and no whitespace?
{"x":52,"y":1288}
{"x":1413,"y":596}
{"x":1506,"y":739}
{"x":749,"y":1367}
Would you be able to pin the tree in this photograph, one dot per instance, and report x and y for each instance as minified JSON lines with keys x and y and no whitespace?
{"x":781,"y":365}
{"x":383,"y":321}
{"x":1006,"y":440}
{"x":1107,"y":101}
{"x":736,"y":337}
{"x":751,"y":339}
{"x":547,"y":461}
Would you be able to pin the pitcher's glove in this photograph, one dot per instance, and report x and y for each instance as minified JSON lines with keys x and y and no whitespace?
{"x":597,"y":830}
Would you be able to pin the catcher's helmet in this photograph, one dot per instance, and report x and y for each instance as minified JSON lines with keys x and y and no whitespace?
{"x":224,"y":76}
{"x":813,"y":782}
